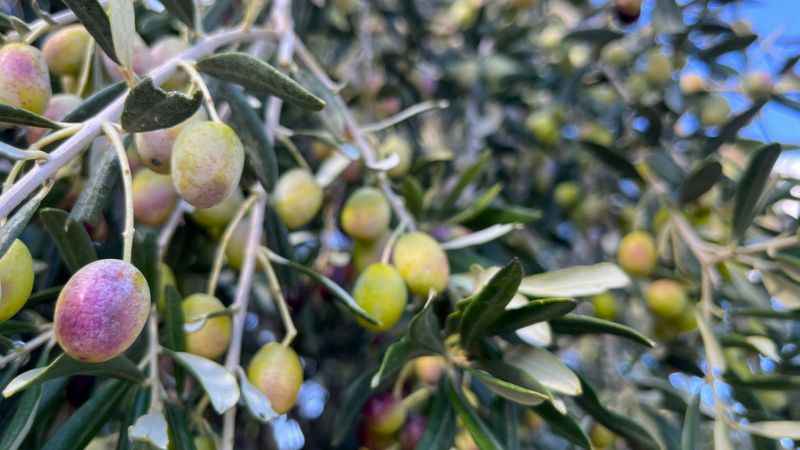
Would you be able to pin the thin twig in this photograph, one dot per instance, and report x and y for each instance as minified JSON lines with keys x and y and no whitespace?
{"x":156,"y":404}
{"x":277,"y":295}
{"x":125,"y":168}
{"x":241,"y":300}
{"x":198,"y":81}
{"x":165,"y":235}
{"x":219,"y":257}
{"x":405,"y":114}
{"x":28,"y":347}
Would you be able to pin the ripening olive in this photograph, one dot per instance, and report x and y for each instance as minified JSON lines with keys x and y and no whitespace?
{"x":616,"y":54}
{"x":429,"y":369}
{"x":545,"y":127}
{"x":204,"y":442}
{"x":16,"y":279}
{"x":659,"y":68}
{"x":366,"y":214}
{"x":212,"y":339}
{"x":596,"y":133}
{"x":381,"y":292}
{"x":101,"y":310}
{"x":24,"y":78}
{"x":207,"y":163}
{"x":235,"y":250}
{"x":714,"y":111}
{"x":166,"y":278}
{"x":566,"y":194}
{"x":154,"y":197}
{"x":384,"y":413}
{"x":394,"y":144}
{"x":757,"y":85}
{"x":637,"y":253}
{"x":692,"y":83}
{"x":276,"y":371}
{"x":65,"y":50}
{"x":602,"y":437}
{"x":155,"y":147}
{"x":220,"y":214}
{"x":141,"y":62}
{"x":366,"y":253}
{"x":60,"y":105}
{"x":687,"y":321}
{"x":164,"y":50}
{"x":462,"y":13}
{"x":297,"y":198}
{"x":421,"y":262}
{"x":605,"y":306}
{"x":628,"y":11}
{"x":666,"y":298}
{"x":412,"y":431}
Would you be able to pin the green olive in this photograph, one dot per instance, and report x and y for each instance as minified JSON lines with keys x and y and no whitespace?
{"x":396,"y":145}
{"x":16,"y":279}
{"x":212,"y":339}
{"x":65,"y":50}
{"x":637,"y":253}
{"x":605,"y":306}
{"x":297,"y":198}
{"x":666,"y":298}
{"x":422,"y":263}
{"x":276,"y":371}
{"x":366,"y":214}
{"x":381,"y":292}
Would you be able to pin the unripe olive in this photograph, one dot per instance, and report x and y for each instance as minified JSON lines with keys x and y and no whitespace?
{"x":212,"y":339}
{"x":692,"y":83}
{"x":628,"y":11}
{"x":429,"y":369}
{"x":394,"y":144}
{"x":545,"y":127}
{"x":687,"y":321}
{"x":141,"y":62}
{"x":154,"y":197}
{"x":166,"y":278}
{"x":60,"y":105}
{"x":566,"y":194}
{"x":155,"y":147}
{"x":65,"y":50}
{"x":551,"y":36}
{"x":616,"y":54}
{"x":464,"y":441}
{"x":596,"y":133}
{"x":659,"y":68}
{"x":637,"y":253}
{"x":276,"y":371}
{"x":24,"y":78}
{"x":366,"y":214}
{"x":16,"y":279}
{"x":714,"y":111}
{"x":366,"y":253}
{"x":412,"y":431}
{"x":381,"y":292}
{"x":204,"y":442}
{"x":101,"y":310}
{"x":297,"y":198}
{"x":421,"y":262}
{"x":220,"y":214}
{"x":636,"y":85}
{"x":757,"y":85}
{"x":463,"y":13}
{"x":666,"y":298}
{"x":164,"y":50}
{"x":605,"y":306}
{"x":370,"y":440}
{"x":601,"y":437}
{"x":384,"y":413}
{"x":207,"y":163}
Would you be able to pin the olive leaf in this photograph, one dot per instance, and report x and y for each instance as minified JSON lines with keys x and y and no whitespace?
{"x":511,"y":383}
{"x":257,"y":403}
{"x":396,"y":355}
{"x":180,"y":437}
{"x":217,"y":381}
{"x":597,"y":36}
{"x":546,"y":368}
{"x":259,"y":77}
{"x":691,"y":425}
{"x":184,"y":10}
{"x":441,"y":425}
{"x":19,"y":116}
{"x":732,"y":127}
{"x":578,"y":324}
{"x":149,"y":108}
{"x":96,"y":102}
{"x":10,"y":230}
{"x":151,"y":429}
{"x":71,"y":238}
{"x":751,"y":187}
{"x":613,"y":160}
{"x":699,"y":181}
{"x":576,"y":281}
{"x":424,"y":329}
{"x":535,"y":311}
{"x":96,"y":21}
{"x":563,"y":424}
{"x":354,"y":397}
{"x":480,"y":433}
{"x":487,"y":305}
{"x":123,"y":30}
{"x":96,"y":192}
{"x":732,"y":43}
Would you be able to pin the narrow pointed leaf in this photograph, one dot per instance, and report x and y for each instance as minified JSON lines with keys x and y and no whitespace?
{"x":776,"y":429}
{"x":18,"y":116}
{"x":691,"y":425}
{"x":95,"y":194}
{"x":440,"y":429}
{"x":180,"y":437}
{"x":424,"y":329}
{"x":150,"y":429}
{"x":699,"y":181}
{"x":613,"y":160}
{"x":17,"y":428}
{"x":96,"y":102}
{"x":73,"y":242}
{"x":394,"y":359}
{"x":751,"y":187}
{"x":10,"y":230}
{"x":577,"y":281}
{"x":535,"y":311}
{"x":122,"y":18}
{"x":563,"y":424}
{"x":511,"y":383}
{"x":354,"y":398}
{"x":149,"y":108}
{"x":96,"y":21}
{"x":578,"y":324}
{"x":487,"y":305}
{"x":546,"y":368}
{"x":184,"y":10}
{"x":480,"y":433}
{"x":218,"y":382}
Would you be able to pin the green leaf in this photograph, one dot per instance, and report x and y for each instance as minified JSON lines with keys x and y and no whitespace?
{"x":151,"y":429}
{"x":95,"y":194}
{"x":476,"y":207}
{"x":668,"y":17}
{"x":340,"y":294}
{"x":468,"y":177}
{"x":64,"y":366}
{"x":535,"y":311}
{"x":775,"y":429}
{"x":73,"y":242}
{"x":480,"y":433}
{"x":577,"y":324}
{"x":183,"y":10}
{"x":180,"y":437}
{"x":577,"y":281}
{"x":149,"y":107}
{"x":691,"y":425}
{"x":733,"y":43}
{"x":137,"y":403}
{"x":394,"y":359}
{"x":563,"y":425}
{"x":489,"y":304}
{"x":259,"y":77}
{"x":612,"y":159}
{"x":257,"y":403}
{"x":766,"y":313}
{"x":17,"y":223}
{"x":218,"y":382}
{"x":250,"y":128}
{"x":413,"y":195}
{"x":175,"y":337}
{"x":751,"y":187}
{"x":18,"y":116}
{"x":84,"y":424}
{"x":597,"y":36}
{"x":546,"y":368}
{"x":145,"y":258}
{"x":440,"y":429}
{"x":732,"y":127}
{"x":636,"y":435}
{"x":766,"y":382}
{"x":511,"y":383}
{"x":96,"y":102}
{"x":17,"y":428}
{"x":354,"y":398}
{"x":699,"y":181}
{"x":424,"y":329}
{"x":94,"y":18}
{"x":122,"y":18}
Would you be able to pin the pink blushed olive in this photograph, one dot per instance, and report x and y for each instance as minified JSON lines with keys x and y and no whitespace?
{"x":101,"y":310}
{"x":24,"y":78}
{"x":60,"y":105}
{"x":141,"y":63}
{"x":164,"y":50}
{"x":155,"y":147}
{"x":65,"y":50}
{"x":154,"y":197}
{"x":276,"y":371}
{"x":207,"y":163}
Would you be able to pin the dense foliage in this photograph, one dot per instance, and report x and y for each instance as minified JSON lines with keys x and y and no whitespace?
{"x":394,"y":224}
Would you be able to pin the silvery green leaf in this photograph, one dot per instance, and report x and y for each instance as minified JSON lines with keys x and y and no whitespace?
{"x":546,"y":368}
{"x":481,"y":237}
{"x":218,"y":382}
{"x":577,"y":281}
{"x":150,"y":429}
{"x":775,"y":429}
{"x":257,"y":403}
{"x":122,"y":19}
